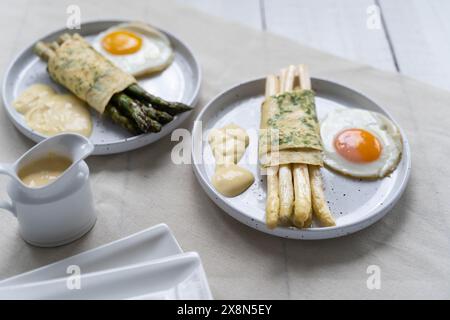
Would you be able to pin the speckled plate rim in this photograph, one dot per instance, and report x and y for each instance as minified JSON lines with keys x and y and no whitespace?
{"x":294,"y":233}
{"x":121,"y":145}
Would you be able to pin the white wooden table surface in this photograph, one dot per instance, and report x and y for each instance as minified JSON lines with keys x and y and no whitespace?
{"x":408,"y":36}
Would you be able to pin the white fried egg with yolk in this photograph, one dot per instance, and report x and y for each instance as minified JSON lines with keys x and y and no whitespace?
{"x":135,"y":47}
{"x":360,"y":143}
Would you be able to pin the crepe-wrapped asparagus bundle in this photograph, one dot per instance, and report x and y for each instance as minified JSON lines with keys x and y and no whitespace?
{"x":290,"y":150}
{"x":295,"y":129}
{"x":73,"y":63}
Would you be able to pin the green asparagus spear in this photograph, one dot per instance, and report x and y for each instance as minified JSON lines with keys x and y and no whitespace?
{"x":155,"y":126}
{"x":43,"y":51}
{"x":121,"y":120}
{"x":171,"y":108}
{"x":133,"y":110}
{"x":160,"y":116}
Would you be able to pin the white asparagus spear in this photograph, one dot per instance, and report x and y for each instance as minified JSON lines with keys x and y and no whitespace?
{"x":286,"y":191}
{"x":319,"y":204}
{"x":273,"y":200}
{"x":303,"y":206}
{"x":289,"y":79}
{"x":302,"y":195}
{"x":305,"y":80}
{"x":302,"y":189}
{"x":283,"y":75}
{"x":286,"y":188}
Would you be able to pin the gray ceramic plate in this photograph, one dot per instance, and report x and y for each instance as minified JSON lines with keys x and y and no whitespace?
{"x":355,"y":203}
{"x":179,"y":82}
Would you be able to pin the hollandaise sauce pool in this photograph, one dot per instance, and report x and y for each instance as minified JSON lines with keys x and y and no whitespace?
{"x":51,"y":113}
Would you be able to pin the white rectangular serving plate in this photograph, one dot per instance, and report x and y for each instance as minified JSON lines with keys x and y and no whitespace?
{"x":175,"y":277}
{"x":153,"y":243}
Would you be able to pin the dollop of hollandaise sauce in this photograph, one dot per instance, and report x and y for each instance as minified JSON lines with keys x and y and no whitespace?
{"x":228,"y":145}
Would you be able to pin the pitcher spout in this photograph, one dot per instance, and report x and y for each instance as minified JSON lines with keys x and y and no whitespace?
{"x":78,"y":146}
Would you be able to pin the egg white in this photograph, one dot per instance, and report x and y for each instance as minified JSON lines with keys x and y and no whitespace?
{"x":155,"y":54}
{"x":377,"y":124}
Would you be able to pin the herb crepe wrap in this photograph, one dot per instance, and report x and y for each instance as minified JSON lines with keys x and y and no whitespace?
{"x":86,"y":73}
{"x":290,"y":130}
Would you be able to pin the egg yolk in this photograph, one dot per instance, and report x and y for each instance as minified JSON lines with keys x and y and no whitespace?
{"x":121,"y":42}
{"x":357,"y":145}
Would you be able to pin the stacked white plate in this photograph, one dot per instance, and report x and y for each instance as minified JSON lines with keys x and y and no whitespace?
{"x":147,"y":265}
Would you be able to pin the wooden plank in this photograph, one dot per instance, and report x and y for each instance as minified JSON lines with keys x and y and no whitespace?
{"x":419,"y":31}
{"x":338,"y":27}
{"x":246,"y":12}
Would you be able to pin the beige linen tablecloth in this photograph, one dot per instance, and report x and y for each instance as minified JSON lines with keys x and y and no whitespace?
{"x":142,"y":188}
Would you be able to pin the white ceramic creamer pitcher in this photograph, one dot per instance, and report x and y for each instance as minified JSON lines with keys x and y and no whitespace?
{"x":61,"y":211}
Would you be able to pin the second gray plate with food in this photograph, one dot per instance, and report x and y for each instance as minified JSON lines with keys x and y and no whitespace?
{"x":354,"y":203}
{"x":179,"y":82}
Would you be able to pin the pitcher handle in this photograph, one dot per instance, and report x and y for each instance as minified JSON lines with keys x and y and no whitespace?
{"x":6,"y":169}
{"x":7,"y":206}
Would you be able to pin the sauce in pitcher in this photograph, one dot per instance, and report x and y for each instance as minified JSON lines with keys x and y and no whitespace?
{"x":44,"y":171}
